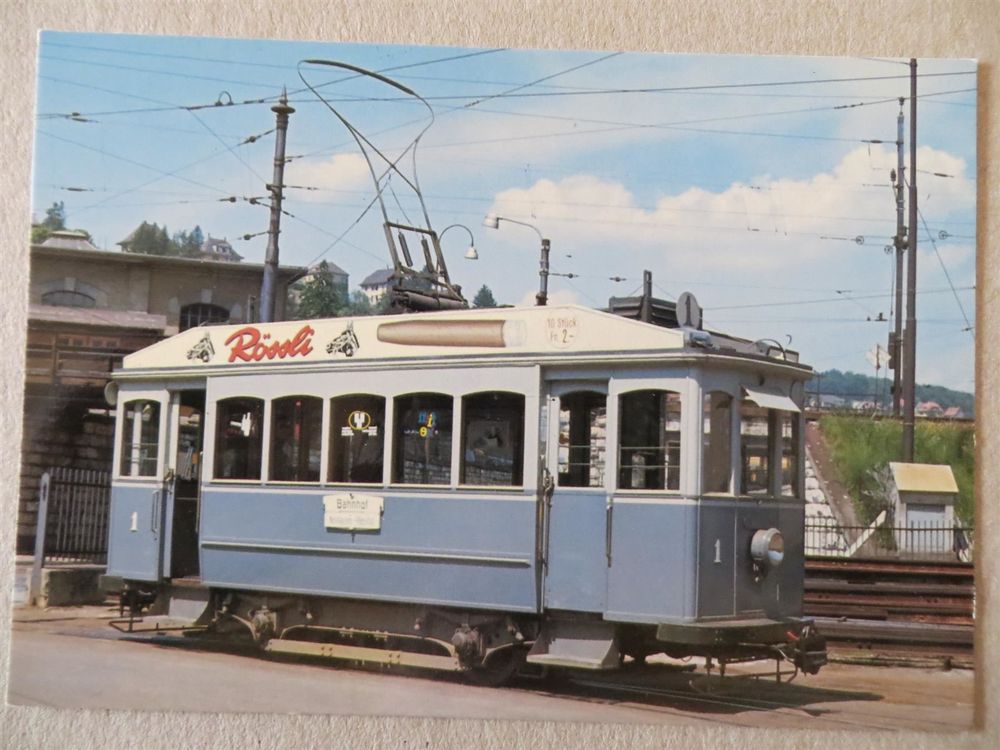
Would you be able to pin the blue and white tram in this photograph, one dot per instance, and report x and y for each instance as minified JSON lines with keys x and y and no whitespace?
{"x":467,"y":490}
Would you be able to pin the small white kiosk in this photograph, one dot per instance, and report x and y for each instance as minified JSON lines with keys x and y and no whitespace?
{"x":924,"y":501}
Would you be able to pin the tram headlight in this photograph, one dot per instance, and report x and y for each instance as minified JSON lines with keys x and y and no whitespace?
{"x":767,"y":548}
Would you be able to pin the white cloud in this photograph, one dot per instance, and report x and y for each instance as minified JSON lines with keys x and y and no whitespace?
{"x":762,"y":256}
{"x":768,"y":224}
{"x":338,"y":172}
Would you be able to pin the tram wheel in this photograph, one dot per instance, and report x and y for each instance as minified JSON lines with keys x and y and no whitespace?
{"x":497,"y":670}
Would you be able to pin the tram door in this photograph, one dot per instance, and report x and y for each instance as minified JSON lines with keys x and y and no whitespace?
{"x":578,"y":524}
{"x":187,"y":425}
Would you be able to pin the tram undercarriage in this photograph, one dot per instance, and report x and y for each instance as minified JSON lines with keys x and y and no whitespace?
{"x":488,"y":648}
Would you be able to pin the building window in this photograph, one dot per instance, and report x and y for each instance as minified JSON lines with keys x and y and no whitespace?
{"x":493,"y":439}
{"x":422,"y":446}
{"x":790,"y":423}
{"x":202,"y":314}
{"x":357,"y":439}
{"x":68,"y":298}
{"x":649,"y":440}
{"x":755,"y":474}
{"x":296,"y":437}
{"x":238,"y":438}
{"x":140,"y":439}
{"x":716,"y":457}
{"x":582,"y":439}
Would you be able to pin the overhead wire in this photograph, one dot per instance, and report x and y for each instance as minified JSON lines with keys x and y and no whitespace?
{"x":968,"y":326}
{"x":828,"y":299}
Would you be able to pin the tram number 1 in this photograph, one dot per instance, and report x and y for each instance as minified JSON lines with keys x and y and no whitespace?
{"x":718,"y":552}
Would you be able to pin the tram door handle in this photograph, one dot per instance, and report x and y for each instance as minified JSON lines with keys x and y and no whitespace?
{"x":609,"y":515}
{"x":154,"y":512}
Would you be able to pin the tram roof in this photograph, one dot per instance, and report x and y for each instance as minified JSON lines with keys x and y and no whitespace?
{"x":557,"y":331}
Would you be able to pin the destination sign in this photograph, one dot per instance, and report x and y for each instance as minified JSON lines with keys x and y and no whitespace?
{"x":350,"y":511}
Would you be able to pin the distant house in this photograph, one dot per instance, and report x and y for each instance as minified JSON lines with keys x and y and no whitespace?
{"x":953,"y":412}
{"x":375,"y":284}
{"x":829,"y":401}
{"x":339,"y":276}
{"x":216,"y":249}
{"x":928,"y":409}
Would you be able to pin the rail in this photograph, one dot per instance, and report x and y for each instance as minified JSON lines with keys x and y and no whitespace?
{"x":887,"y":608}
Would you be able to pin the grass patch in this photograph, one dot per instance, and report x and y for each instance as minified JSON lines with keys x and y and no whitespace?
{"x":860,"y":445}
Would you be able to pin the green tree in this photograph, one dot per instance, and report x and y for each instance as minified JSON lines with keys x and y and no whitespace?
{"x":321,"y":297}
{"x":186,"y":244}
{"x":55,"y":219}
{"x":152,"y":239}
{"x":484,"y":298}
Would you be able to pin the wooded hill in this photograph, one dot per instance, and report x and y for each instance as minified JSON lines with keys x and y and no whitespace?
{"x":853,"y":386}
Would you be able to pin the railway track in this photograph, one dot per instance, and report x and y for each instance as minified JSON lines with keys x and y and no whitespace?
{"x":893,"y":610}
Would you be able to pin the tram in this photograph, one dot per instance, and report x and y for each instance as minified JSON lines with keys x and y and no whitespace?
{"x":470,"y":490}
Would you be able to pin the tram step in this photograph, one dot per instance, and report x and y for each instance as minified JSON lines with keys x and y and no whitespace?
{"x":576,"y":643}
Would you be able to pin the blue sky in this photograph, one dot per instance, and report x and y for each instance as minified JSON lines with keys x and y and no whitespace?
{"x":745,"y":180}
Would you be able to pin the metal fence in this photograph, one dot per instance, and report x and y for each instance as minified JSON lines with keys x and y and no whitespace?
{"x":73,"y":509}
{"x":825,"y":537}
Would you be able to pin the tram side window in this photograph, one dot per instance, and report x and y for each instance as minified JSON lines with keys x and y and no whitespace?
{"x":493,"y":439}
{"x":140,"y":439}
{"x":717,"y":446}
{"x":790,"y":454}
{"x":582,"y":439}
{"x":357,"y":439}
{"x":422,"y":445}
{"x":238,"y":438}
{"x":649,"y":440}
{"x":296,"y":435}
{"x":754,"y":450}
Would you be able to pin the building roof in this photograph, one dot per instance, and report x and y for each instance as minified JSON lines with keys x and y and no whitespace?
{"x":88,"y":316}
{"x":331,"y":267}
{"x":378,"y":278}
{"x":213,"y":246}
{"x":68,"y":239}
{"x":287,"y":274}
{"x":923,"y":478}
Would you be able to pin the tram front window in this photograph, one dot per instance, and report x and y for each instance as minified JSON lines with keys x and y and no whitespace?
{"x":716,"y":447}
{"x":790,"y":454}
{"x":755,"y":476}
{"x":582,"y":439}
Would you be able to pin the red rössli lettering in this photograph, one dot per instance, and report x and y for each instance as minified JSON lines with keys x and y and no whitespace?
{"x":249,"y":345}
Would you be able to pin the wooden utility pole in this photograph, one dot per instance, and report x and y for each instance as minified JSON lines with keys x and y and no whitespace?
{"x":269,"y":282}
{"x":896,"y":342}
{"x":910,"y":334}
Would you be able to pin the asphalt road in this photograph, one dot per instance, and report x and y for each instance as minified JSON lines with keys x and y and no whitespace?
{"x":83,"y":663}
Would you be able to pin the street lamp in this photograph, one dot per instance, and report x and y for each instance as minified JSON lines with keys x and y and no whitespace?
{"x":471,"y":253}
{"x":492,"y":221}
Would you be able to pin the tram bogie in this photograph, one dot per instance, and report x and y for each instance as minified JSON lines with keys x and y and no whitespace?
{"x":469,"y":490}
